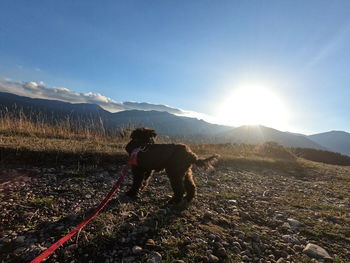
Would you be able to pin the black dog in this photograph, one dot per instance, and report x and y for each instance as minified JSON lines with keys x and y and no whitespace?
{"x":176,"y":159}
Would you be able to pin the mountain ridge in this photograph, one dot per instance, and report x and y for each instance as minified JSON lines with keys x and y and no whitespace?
{"x":169,"y":124}
{"x":257,"y":134}
{"x":338,"y":141}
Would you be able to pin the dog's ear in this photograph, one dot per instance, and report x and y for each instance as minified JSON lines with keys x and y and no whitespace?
{"x":135,"y":133}
{"x":152,"y":133}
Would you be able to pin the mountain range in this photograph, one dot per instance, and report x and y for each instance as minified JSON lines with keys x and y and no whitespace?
{"x":165,"y":123}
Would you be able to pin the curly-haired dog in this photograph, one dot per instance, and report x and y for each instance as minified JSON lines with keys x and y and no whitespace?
{"x":176,"y":159}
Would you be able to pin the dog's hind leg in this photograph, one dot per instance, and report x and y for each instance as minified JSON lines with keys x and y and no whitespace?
{"x":190,"y":186}
{"x":177,"y":184}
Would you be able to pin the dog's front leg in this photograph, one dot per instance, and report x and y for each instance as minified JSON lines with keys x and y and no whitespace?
{"x":138,"y":176}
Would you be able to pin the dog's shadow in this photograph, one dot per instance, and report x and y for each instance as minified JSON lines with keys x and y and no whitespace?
{"x":138,"y":230}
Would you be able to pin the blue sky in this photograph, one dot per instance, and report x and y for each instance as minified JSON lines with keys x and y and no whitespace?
{"x":191,"y":55}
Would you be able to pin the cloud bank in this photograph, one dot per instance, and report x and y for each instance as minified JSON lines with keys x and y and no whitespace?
{"x":41,"y":90}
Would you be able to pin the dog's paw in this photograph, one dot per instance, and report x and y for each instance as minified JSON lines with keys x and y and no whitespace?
{"x":175,"y":200}
{"x":181,"y":206}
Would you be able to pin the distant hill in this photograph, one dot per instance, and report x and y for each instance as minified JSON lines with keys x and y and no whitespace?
{"x":260,"y":134}
{"x":53,"y":111}
{"x":336,"y":141}
{"x":167,"y":123}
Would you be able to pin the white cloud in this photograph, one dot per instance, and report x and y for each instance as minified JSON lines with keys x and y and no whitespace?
{"x":41,"y":90}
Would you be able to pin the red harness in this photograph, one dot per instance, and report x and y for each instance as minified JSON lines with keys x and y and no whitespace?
{"x":133,"y":157}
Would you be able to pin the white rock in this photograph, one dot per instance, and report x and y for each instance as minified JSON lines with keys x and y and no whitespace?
{"x":136,"y":249}
{"x":315,"y":251}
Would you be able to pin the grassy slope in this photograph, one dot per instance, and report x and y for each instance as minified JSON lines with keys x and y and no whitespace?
{"x":246,"y":200}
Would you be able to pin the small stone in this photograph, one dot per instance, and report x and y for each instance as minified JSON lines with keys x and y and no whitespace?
{"x":246,"y":258}
{"x":128,"y":259}
{"x":293,"y":222}
{"x":221,"y":210}
{"x":136,"y":249}
{"x":286,"y":225}
{"x":278,"y":216}
{"x":298,"y":248}
{"x":20,"y":239}
{"x":237,"y":244}
{"x":156,"y":257}
{"x":150,"y":243}
{"x":72,"y":247}
{"x":59,"y":228}
{"x":239,"y":234}
{"x":213,"y":259}
{"x":233,"y":202}
{"x":178,"y":261}
{"x":290,"y":239}
{"x":221,"y":252}
{"x":19,"y":250}
{"x":280,"y":260}
{"x":315,"y":251}
{"x":199,"y":240}
{"x":88,"y":196}
{"x":207,"y":215}
{"x":236,"y":250}
{"x":211,"y":236}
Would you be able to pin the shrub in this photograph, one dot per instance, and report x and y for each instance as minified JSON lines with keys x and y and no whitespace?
{"x":322,"y":156}
{"x":275,"y":151}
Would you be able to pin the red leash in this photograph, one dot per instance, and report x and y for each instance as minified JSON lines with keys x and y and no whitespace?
{"x":61,"y":241}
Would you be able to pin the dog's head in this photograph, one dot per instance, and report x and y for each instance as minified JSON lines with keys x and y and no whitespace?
{"x":139,"y":138}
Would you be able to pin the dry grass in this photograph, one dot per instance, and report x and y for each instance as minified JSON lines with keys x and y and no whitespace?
{"x":16,"y":122}
{"x":31,"y":140}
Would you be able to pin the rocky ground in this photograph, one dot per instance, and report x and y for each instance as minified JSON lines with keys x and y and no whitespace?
{"x":259,"y":214}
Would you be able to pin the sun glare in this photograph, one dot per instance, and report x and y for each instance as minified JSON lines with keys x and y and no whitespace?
{"x":253,"y":105}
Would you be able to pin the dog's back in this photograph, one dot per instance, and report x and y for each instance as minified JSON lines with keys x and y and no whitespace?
{"x":163,"y":156}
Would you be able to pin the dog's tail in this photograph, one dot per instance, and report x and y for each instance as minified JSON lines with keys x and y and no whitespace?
{"x":207,"y":162}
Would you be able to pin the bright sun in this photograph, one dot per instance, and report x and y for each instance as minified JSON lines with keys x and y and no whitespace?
{"x":253,"y":105}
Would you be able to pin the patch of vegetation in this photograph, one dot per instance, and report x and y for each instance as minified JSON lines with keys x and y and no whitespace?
{"x":275,"y":151}
{"x":41,"y":202}
{"x":322,"y":156}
